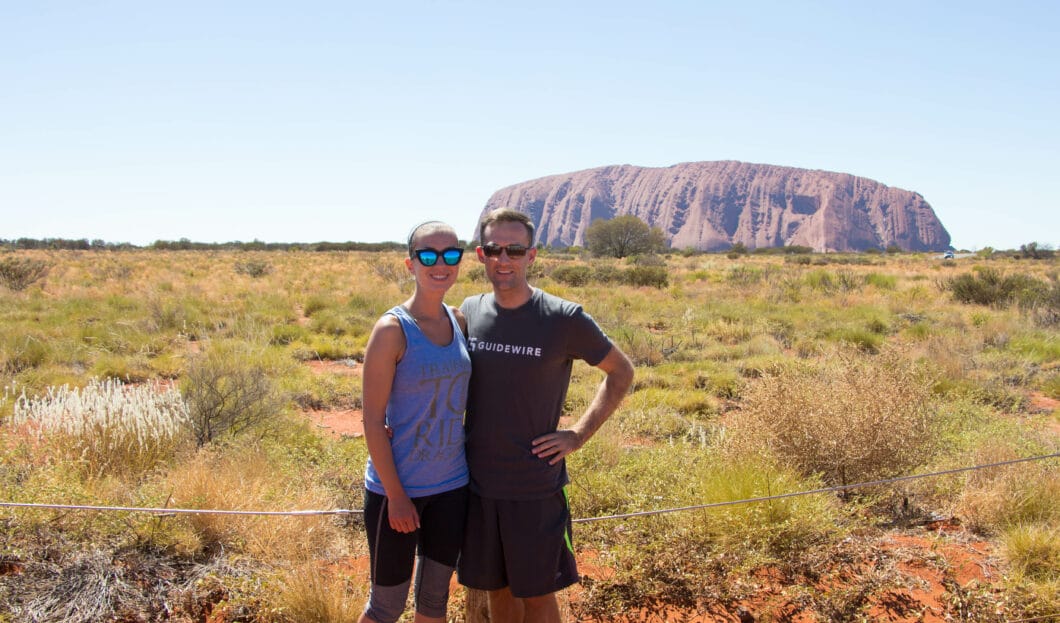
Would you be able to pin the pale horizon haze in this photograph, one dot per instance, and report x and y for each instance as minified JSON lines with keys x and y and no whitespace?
{"x":336,"y":121}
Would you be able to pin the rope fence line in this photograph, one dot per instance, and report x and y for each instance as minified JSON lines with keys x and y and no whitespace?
{"x":780,"y":496}
{"x":345,"y":511}
{"x":179,"y":511}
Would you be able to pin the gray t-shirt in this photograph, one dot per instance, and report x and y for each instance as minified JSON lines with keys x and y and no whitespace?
{"x":521,"y":363}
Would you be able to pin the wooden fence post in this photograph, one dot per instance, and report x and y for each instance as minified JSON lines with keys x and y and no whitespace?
{"x":476,"y":607}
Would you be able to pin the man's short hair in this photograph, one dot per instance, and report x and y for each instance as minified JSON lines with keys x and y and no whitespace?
{"x":506,"y":215}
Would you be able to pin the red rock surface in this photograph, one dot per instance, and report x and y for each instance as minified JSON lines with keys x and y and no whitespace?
{"x":711,"y":205}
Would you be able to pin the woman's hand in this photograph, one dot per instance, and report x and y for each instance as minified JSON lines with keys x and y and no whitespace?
{"x":402,"y":514}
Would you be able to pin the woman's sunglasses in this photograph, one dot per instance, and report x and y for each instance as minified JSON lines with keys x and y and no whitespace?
{"x":492,"y":249}
{"x":429,"y":257}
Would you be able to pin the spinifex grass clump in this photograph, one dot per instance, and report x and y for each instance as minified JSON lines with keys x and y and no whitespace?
{"x":249,"y":476}
{"x":107,"y":426}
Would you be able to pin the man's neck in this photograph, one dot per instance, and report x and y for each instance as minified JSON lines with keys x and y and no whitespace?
{"x":512,"y":298}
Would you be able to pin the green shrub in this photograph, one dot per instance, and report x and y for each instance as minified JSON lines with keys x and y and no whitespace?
{"x":666,"y":558}
{"x":990,"y":287}
{"x":745,"y":275}
{"x":21,"y":352}
{"x":572,"y":274}
{"x":333,"y":322}
{"x":654,"y":276}
{"x":829,"y":282}
{"x":129,"y":369}
{"x":18,"y":273}
{"x":866,"y":340}
{"x":330,"y":347}
{"x":317,"y":302}
{"x":283,"y":334}
{"x":253,"y":268}
{"x":607,"y":273}
{"x":883,"y":282}
{"x":995,"y":500}
{"x":647,"y":259}
{"x":723,"y":382}
{"x":1042,"y":304}
{"x":1050,"y":386}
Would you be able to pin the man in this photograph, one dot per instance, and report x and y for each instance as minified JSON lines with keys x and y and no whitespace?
{"x":523,"y":342}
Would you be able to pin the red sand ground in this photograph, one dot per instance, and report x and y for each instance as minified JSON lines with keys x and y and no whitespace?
{"x":337,"y":422}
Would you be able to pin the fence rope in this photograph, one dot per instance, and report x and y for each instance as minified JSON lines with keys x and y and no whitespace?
{"x":347,"y":511}
{"x":181,"y":511}
{"x":780,"y":496}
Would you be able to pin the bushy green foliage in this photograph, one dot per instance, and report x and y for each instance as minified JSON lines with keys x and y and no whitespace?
{"x":283,"y":334}
{"x":831,"y":282}
{"x":653,"y":276}
{"x":988,"y":286}
{"x":623,"y":236}
{"x":18,"y":273}
{"x":606,"y":273}
{"x":20,"y":352}
{"x":253,"y":268}
{"x":883,"y":282}
{"x":572,"y":274}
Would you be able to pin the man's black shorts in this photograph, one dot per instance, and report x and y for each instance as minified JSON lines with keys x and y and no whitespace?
{"x":522,"y":544}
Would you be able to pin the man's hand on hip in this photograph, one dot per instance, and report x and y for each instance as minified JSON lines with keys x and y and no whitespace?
{"x":555,"y":446}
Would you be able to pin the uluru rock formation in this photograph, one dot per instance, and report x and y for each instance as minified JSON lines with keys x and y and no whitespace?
{"x":712,"y":205}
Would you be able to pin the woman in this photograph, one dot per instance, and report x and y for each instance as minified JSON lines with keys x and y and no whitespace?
{"x":416,"y":369}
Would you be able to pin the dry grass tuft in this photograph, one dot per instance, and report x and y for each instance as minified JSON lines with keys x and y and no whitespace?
{"x":996,"y":499}
{"x":309,"y":594}
{"x":243,"y":478}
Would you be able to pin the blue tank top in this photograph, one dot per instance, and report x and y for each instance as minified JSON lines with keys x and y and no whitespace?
{"x":426,"y":412}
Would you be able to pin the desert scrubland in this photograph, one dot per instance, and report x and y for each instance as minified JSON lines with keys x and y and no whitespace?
{"x":192,"y":379}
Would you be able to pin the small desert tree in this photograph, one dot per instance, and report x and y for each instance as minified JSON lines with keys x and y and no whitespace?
{"x":228,"y":391}
{"x":623,"y":236}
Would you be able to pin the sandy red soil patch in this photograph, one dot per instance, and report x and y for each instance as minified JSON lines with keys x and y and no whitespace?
{"x":344,"y":367}
{"x":337,"y":422}
{"x":1043,"y":404}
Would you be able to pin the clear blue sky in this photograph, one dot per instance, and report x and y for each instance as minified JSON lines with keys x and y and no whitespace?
{"x":311,"y":121}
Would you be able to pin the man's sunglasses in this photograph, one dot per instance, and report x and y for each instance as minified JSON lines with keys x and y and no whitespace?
{"x":429,"y":257}
{"x":492,"y":249}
